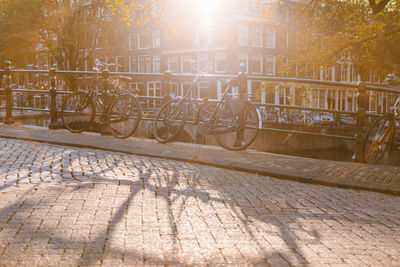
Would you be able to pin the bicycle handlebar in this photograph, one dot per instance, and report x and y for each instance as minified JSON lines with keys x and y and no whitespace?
{"x":393,"y":79}
{"x":104,"y":65}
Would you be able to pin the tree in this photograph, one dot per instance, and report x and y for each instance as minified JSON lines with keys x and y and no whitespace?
{"x":66,"y":30}
{"x":335,"y":31}
{"x":18,"y":36}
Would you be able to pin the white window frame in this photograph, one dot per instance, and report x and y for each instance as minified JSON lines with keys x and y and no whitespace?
{"x":156,"y":39}
{"x":200,"y":60}
{"x":270,"y":35}
{"x":257,"y":36}
{"x":135,"y":86}
{"x":156,"y":87}
{"x":266,"y":57}
{"x":139,"y":66}
{"x":261,"y":63}
{"x":243,"y":35}
{"x":183,"y":87}
{"x":130,"y":63}
{"x":156,"y":64}
{"x":132,"y":41}
{"x":169,"y":63}
{"x":201,"y":85}
{"x":190,"y":64}
{"x":247,"y":60}
{"x":216,"y":62}
{"x":140,"y":38}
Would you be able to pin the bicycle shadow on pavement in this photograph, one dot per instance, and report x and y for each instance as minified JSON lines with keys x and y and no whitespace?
{"x":273,"y":220}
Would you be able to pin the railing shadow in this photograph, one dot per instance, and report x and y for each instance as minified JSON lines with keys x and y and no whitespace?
{"x":250,"y":199}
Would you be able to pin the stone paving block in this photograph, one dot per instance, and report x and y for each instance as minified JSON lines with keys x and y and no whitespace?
{"x":151,"y":211}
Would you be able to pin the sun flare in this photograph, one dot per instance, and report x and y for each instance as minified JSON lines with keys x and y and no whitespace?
{"x":206,"y":12}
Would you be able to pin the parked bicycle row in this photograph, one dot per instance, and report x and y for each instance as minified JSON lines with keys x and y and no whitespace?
{"x":234,"y":120}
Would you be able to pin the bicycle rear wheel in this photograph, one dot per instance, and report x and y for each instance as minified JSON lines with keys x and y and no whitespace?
{"x":237,"y":132}
{"x":378,"y":139}
{"x":169,"y":121}
{"x":78,"y":112}
{"x":123,"y":116}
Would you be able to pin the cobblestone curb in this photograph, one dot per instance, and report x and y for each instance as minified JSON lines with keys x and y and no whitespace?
{"x":378,"y":178}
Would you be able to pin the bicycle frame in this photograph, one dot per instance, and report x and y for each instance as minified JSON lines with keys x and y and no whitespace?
{"x":91,"y":93}
{"x":209,"y":122}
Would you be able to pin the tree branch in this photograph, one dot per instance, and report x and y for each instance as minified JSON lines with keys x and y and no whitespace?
{"x":376,"y":8}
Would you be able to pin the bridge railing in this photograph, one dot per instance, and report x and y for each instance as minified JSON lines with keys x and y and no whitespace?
{"x":288,"y":105}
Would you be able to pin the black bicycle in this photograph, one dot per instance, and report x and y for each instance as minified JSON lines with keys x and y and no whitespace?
{"x":121,"y":113}
{"x":233,"y":120}
{"x":382,"y":131}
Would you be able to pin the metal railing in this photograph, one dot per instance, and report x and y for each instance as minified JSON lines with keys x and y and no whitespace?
{"x":362,"y":94}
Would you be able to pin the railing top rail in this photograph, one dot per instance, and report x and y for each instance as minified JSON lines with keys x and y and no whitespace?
{"x":383,"y":89}
{"x":219,"y":76}
{"x":301,"y":80}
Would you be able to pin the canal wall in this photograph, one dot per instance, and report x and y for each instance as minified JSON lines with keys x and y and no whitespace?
{"x":266,"y":140}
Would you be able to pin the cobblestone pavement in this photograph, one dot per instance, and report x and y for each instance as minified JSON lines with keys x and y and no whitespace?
{"x":73,"y":206}
{"x":378,"y":178}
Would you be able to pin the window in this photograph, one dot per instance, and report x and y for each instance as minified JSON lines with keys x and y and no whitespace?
{"x":174,"y":89}
{"x":270,"y":39}
{"x":186,"y":64}
{"x":203,"y":63}
{"x":257,"y":37}
{"x":327,"y":73}
{"x":133,"y":64}
{"x":243,"y":35}
{"x":132,"y":41}
{"x":121,"y":64}
{"x":185,"y":89}
{"x":144,"y":64}
{"x":156,"y":39}
{"x":156,"y":64}
{"x":173,"y":64}
{"x":269,"y":65}
{"x":117,"y":63}
{"x":256,"y":64}
{"x":283,"y":39}
{"x":220,"y":62}
{"x":203,"y":89}
{"x":243,"y":60}
{"x":137,"y":86}
{"x":154,"y":88}
{"x":144,"y":40}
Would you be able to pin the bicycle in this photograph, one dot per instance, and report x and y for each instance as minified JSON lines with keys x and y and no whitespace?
{"x":121,"y":114}
{"x":234,"y":121}
{"x":382,"y":131}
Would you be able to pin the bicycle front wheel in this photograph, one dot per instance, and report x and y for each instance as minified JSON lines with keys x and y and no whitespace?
{"x":123,"y":116}
{"x":169,"y":121}
{"x":78,"y":112}
{"x":378,"y":139}
{"x":237,"y":132}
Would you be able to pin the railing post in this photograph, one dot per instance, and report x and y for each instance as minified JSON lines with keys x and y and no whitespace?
{"x":242,"y":80}
{"x":53,"y":101}
{"x":104,"y":130}
{"x":242,"y":89}
{"x":361,"y":109}
{"x":8,"y":93}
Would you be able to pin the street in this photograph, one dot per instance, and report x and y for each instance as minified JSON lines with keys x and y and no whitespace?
{"x":66,"y":206}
